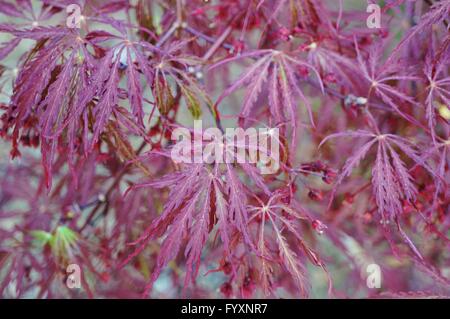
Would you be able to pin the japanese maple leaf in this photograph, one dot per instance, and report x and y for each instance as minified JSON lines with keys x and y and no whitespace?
{"x":27,"y":13}
{"x":61,"y":63}
{"x":174,"y":67}
{"x":377,"y":76}
{"x":328,"y":61}
{"x":439,"y":150}
{"x":128,"y":55}
{"x":199,"y":197}
{"x":391,"y":181}
{"x":438,"y":89}
{"x":283,"y":220}
{"x":36,"y":73}
{"x":312,"y":15}
{"x":274,"y":70}
{"x":38,"y":87}
{"x":438,"y":12}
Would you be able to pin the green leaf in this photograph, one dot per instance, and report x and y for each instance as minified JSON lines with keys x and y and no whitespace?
{"x":63,"y":241}
{"x":41,"y":237}
{"x":164,"y":97}
{"x":192,"y":102}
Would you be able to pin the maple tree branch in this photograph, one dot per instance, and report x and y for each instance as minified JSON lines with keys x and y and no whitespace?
{"x":217,"y":44}
{"x":206,"y":37}
{"x":168,"y":34}
{"x":174,"y":27}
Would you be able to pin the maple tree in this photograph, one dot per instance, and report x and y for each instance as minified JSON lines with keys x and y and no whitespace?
{"x":87,"y":116}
